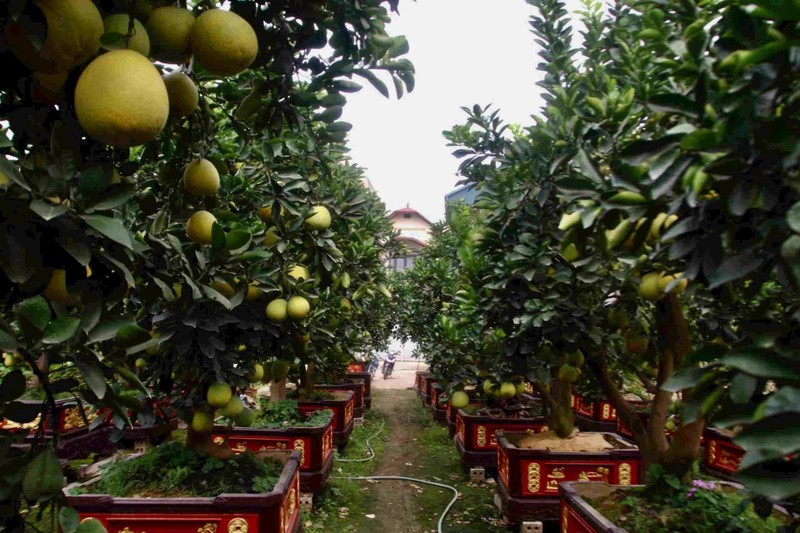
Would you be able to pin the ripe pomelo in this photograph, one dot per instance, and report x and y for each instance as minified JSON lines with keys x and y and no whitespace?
{"x":201,"y":178}
{"x":271,"y":236}
{"x":219,"y":394}
{"x":507,"y":391}
{"x":648,"y":287}
{"x":246,"y":418}
{"x":276,"y":310}
{"x":253,"y":293}
{"x":568,"y":373}
{"x":488,"y":388}
{"x":199,"y":226}
{"x":56,"y":290}
{"x":299,"y":273}
{"x":459,"y":400}
{"x":121,"y":99}
{"x":202,"y":422}
{"x":224,"y":288}
{"x":233,"y":408}
{"x":120,"y":23}
{"x":169,"y":28}
{"x":257,"y":374}
{"x":223,"y":42}
{"x":73,"y":31}
{"x":182,"y":91}
{"x":298,"y":307}
{"x":320,"y":220}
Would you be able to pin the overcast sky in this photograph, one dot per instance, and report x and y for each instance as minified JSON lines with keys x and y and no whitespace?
{"x":465,"y":52}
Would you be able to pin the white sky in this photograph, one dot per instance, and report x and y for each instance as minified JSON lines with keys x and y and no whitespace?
{"x":465,"y":52}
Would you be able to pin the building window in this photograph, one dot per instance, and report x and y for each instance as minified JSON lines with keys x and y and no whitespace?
{"x":407,"y":215}
{"x":398,"y":264}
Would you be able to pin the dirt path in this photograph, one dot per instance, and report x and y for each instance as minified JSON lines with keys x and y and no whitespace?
{"x":396,"y":504}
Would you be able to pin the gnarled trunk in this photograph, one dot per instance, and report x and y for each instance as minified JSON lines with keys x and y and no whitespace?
{"x":559,"y":399}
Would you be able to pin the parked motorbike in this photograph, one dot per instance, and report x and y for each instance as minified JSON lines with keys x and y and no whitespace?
{"x":388,"y":364}
{"x":374,"y":363}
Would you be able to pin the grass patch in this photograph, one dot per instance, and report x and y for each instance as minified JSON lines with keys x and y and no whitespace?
{"x":439,"y":461}
{"x":342,"y":505}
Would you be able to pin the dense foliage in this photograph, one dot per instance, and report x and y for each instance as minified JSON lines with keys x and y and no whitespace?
{"x":115,"y":268}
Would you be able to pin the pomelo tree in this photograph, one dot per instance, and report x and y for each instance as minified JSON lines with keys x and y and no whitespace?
{"x":132,"y":201}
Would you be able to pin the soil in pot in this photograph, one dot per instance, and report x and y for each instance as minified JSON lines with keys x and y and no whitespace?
{"x":702,"y":507}
{"x":172,"y":470}
{"x":578,"y":442}
{"x":314,"y":396}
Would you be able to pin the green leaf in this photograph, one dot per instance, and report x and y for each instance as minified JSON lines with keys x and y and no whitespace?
{"x":117,"y":195}
{"x":46,"y":210}
{"x":702,"y":139}
{"x":762,"y":364}
{"x":61,"y":329}
{"x":12,"y":172}
{"x":780,"y":433}
{"x":785,"y":9}
{"x":107,"y":330}
{"x":374,"y":80}
{"x":90,"y":370}
{"x":685,"y":378}
{"x":734,"y":268}
{"x":13,"y":386}
{"x":638,"y":152}
{"x":238,"y":240}
{"x":34,"y":313}
{"x":94,"y":179}
{"x":111,"y":228}
{"x":776,"y":483}
{"x":586,"y":167}
{"x":68,"y":519}
{"x":43,"y":478}
{"x":131,"y":335}
{"x":22,"y":413}
{"x":793,"y":217}
{"x":7,"y":341}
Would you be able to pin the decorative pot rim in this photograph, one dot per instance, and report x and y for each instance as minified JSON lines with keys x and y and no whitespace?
{"x":630,"y":453}
{"x":218,"y":428}
{"x":225,"y":502}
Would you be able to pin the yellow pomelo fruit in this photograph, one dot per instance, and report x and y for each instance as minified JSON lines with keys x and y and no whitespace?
{"x":199,"y":226}
{"x":276,"y":310}
{"x":253,"y":293}
{"x":120,"y":23}
{"x":202,"y":422}
{"x":233,"y":408}
{"x":280,"y":369}
{"x":265,"y":213}
{"x":116,"y":177}
{"x":224,"y":288}
{"x":73,"y":31}
{"x":320,"y":220}
{"x":121,"y":100}
{"x":507,"y":391}
{"x":488,"y":387}
{"x":459,"y":400}
{"x":298,"y":307}
{"x":576,"y":358}
{"x":570,"y":253}
{"x":219,"y":394}
{"x":182,"y":92}
{"x":223,"y":42}
{"x":4,"y":179}
{"x":271,"y":236}
{"x":648,"y":288}
{"x":140,"y":362}
{"x":299,"y":273}
{"x":678,"y":288}
{"x":169,"y":29}
{"x":568,"y":373}
{"x":201,"y":178}
{"x":637,"y":345}
{"x":56,"y":290}
{"x":520,"y":387}
{"x":246,"y":418}
{"x":346,"y":304}
{"x":49,"y":88}
{"x":257,"y":374}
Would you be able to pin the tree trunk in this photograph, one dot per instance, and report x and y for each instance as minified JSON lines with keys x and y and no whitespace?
{"x":308,"y":380}
{"x":559,"y":399}
{"x":277,"y":391}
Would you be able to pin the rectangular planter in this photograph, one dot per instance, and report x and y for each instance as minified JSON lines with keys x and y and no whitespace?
{"x":275,"y":512}
{"x":438,"y":405}
{"x":528,"y":479}
{"x":76,"y":439}
{"x":428,"y":383}
{"x":357,"y":386}
{"x":342,"y":407}
{"x":721,"y":457}
{"x":314,"y":444}
{"x":451,"y":416}
{"x":476,"y":436}
{"x":367,"y":378}
{"x":596,"y":416}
